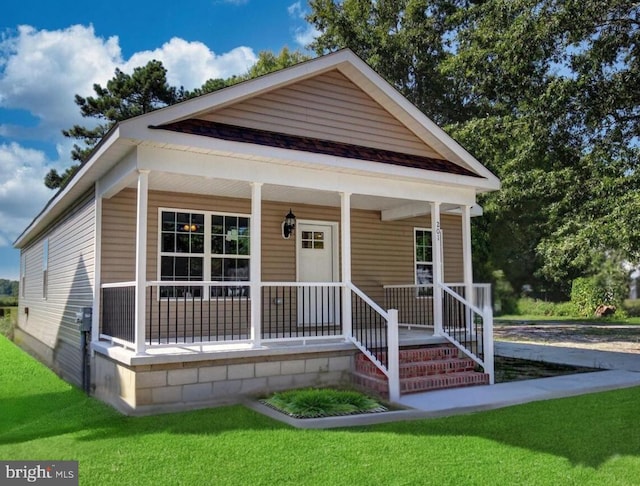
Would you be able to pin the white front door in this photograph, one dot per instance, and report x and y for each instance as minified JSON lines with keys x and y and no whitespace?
{"x":317,"y":262}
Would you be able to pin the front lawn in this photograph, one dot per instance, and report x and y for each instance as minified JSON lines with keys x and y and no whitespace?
{"x":539,"y":319}
{"x":594,"y":439}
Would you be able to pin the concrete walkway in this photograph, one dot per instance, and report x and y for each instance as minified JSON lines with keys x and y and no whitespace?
{"x":571,"y":356}
{"x":472,"y":399}
{"x":621,"y":371}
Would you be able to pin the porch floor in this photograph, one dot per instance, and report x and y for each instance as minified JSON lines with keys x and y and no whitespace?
{"x":194,"y":351}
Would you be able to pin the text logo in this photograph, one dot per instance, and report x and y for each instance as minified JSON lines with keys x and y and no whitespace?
{"x":50,"y":473}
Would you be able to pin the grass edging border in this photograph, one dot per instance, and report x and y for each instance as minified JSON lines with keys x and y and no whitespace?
{"x":367,"y":418}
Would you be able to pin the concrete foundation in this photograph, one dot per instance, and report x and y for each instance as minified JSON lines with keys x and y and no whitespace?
{"x":137,"y":389}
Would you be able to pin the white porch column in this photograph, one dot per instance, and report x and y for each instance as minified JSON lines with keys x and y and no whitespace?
{"x":255,"y":262}
{"x":436,"y":247}
{"x":467,"y":263}
{"x":97,"y":258}
{"x":345,"y":237}
{"x":141,"y":261}
{"x":467,"y":259}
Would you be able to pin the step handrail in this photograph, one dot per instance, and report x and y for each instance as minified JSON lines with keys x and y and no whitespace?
{"x":487,"y":361}
{"x":392,"y":369}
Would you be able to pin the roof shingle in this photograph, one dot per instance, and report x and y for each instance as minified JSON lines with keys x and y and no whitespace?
{"x":307,"y":144}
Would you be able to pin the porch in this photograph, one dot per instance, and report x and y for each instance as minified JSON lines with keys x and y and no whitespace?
{"x":327,"y":324}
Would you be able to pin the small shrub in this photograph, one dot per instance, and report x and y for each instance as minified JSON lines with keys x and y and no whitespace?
{"x":536,"y":307}
{"x":565,"y":309}
{"x":310,"y":403}
{"x":504,"y":297}
{"x":587,"y":293}
{"x":632,"y":307}
{"x":8,"y":323}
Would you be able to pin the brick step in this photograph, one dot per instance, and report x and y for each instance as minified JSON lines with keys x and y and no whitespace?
{"x":421,"y":368}
{"x":418,"y":384}
{"x":412,"y":355}
{"x":441,"y":382}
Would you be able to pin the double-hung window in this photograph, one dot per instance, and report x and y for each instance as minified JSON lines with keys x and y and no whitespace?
{"x":229,"y":252}
{"x":423,"y":256}
{"x":45,"y":268}
{"x":203,"y":246}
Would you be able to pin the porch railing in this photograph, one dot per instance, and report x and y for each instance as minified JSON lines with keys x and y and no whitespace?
{"x":301,"y":310}
{"x":118,"y":312}
{"x":220,"y":312}
{"x":466,"y":323}
{"x":414,"y":304}
{"x":375,"y":333}
{"x":197,"y":312}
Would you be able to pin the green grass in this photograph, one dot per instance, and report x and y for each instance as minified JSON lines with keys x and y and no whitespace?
{"x":530,"y":318}
{"x":589,"y":440}
{"x":8,"y":321}
{"x":310,"y":403}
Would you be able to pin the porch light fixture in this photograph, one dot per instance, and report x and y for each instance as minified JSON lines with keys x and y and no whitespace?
{"x":288,"y":225}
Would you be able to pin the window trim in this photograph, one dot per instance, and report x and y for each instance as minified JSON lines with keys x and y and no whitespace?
{"x":415,"y":255}
{"x":45,"y":268}
{"x":23,"y":274}
{"x":432,"y":263}
{"x":206,"y":255}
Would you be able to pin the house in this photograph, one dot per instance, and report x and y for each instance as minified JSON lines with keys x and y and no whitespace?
{"x":286,"y":231}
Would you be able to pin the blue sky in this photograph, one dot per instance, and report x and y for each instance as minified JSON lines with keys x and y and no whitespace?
{"x":52,"y":49}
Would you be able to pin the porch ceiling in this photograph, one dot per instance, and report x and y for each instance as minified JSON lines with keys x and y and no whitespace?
{"x":171,"y":182}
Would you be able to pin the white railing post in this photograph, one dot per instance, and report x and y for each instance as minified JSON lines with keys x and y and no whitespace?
{"x":393,"y":356}
{"x":437,"y":268}
{"x":255,"y":263}
{"x":345,"y":236}
{"x":141,"y":262}
{"x":487,"y":343}
{"x":467,"y":265}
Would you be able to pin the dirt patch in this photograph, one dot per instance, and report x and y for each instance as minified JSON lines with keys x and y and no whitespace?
{"x":602,"y":337}
{"x":515,"y":369}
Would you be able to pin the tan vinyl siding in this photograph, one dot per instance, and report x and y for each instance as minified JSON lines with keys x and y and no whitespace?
{"x":52,"y":320}
{"x":118,"y":252}
{"x":382,"y":252}
{"x":452,"y":233}
{"x":329,"y":107}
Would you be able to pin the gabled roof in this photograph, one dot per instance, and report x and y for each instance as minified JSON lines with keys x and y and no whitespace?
{"x":182,"y":117}
{"x":306,"y":144}
{"x":358,"y":72}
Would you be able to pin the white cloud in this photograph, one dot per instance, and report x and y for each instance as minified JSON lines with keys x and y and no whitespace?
{"x":22,"y":192}
{"x":190,"y":64}
{"x":306,"y":34}
{"x":41,"y":71}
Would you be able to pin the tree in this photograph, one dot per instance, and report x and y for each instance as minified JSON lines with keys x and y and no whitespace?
{"x":125,"y":96}
{"x":269,"y":62}
{"x":147,"y":89}
{"x":544,"y":93}
{"x":403,"y":40}
{"x":8,"y":288}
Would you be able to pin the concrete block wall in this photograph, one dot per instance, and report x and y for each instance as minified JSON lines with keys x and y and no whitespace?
{"x":154,"y":388}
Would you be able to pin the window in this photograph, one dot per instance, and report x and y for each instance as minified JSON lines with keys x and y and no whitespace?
{"x":313,"y":240}
{"x":45,"y":267}
{"x":423,"y":256}
{"x":229,"y":251}
{"x":23,"y":274}
{"x":201,"y":246}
